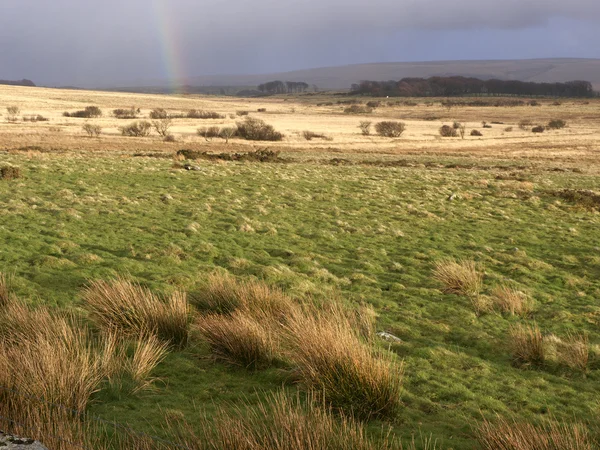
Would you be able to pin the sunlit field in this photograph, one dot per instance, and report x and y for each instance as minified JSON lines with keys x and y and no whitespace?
{"x":420,"y":290}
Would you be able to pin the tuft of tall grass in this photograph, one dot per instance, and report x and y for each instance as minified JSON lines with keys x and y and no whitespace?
{"x":459,"y":277}
{"x":332,"y":359}
{"x":283,"y":422}
{"x":511,"y":301}
{"x":133,"y":309}
{"x":527,"y":345}
{"x":148,"y":352}
{"x":507,"y":434}
{"x":224,"y":294}
{"x":5,"y":294}
{"x":574,"y":351}
{"x":238,"y":339}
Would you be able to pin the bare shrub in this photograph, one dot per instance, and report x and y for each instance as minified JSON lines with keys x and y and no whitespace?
{"x":310,"y":135}
{"x":200,"y":114}
{"x":484,"y":124}
{"x":8,"y":172}
{"x":90,"y":112}
{"x":476,"y":133}
{"x":373,"y":104}
{"x":162,"y":126}
{"x":227,"y":133}
{"x":238,"y":339}
{"x":352,"y":376}
{"x":556,"y":124}
{"x":357,"y":109}
{"x":462,"y":129}
{"x":242,"y":113}
{"x":209,"y":132}
{"x":508,"y":129}
{"x":365,"y":127}
{"x":448,"y":131}
{"x":459,"y":277}
{"x":261,"y":110}
{"x":5,"y":291}
{"x":525,"y":124}
{"x":519,"y":435}
{"x":456,"y":125}
{"x":92,"y":130}
{"x":390,"y":128}
{"x":123,"y":305}
{"x":12,"y":113}
{"x":35,"y":118}
{"x":538,"y":129}
{"x":527,"y":345}
{"x":159,"y":113}
{"x":253,"y":129}
{"x":169,"y":138}
{"x":130,"y":113}
{"x":512,"y":301}
{"x":140,"y":128}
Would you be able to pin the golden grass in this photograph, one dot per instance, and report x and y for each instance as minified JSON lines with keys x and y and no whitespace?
{"x":511,"y":301}
{"x":238,"y":339}
{"x":527,"y":345}
{"x":504,"y":434}
{"x":282,"y":422}
{"x":224,"y":294}
{"x":148,"y":352}
{"x":459,"y":277}
{"x":574,"y":351}
{"x":129,"y":307}
{"x":5,"y":294}
{"x":332,"y":359}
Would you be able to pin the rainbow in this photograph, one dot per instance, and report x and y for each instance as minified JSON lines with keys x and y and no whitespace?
{"x":169,"y":44}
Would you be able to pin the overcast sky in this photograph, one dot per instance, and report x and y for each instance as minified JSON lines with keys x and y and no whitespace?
{"x":121,"y":42}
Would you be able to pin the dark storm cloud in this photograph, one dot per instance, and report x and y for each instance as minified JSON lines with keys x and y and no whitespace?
{"x":121,"y":41}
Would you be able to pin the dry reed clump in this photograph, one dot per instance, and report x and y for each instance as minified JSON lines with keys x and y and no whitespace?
{"x":527,"y":345}
{"x":282,"y":422}
{"x":238,"y":339}
{"x":224,"y":294}
{"x":511,"y":301}
{"x":5,"y":292}
{"x":517,"y":435}
{"x":459,"y":277}
{"x":572,"y":350}
{"x":352,"y":376}
{"x":126,"y":306}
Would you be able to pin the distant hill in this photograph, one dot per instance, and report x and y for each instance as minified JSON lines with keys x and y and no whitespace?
{"x":342,"y":77}
{"x":22,"y":82}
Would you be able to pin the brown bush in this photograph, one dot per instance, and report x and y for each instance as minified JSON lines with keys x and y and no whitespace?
{"x":538,"y":129}
{"x":130,"y":113}
{"x":253,"y":129}
{"x":8,"y":172}
{"x":141,"y":128}
{"x":448,"y":131}
{"x":310,"y":135}
{"x":162,"y":126}
{"x":357,"y":109}
{"x":557,"y":124}
{"x":390,"y":128}
{"x":200,"y":114}
{"x":159,"y":113}
{"x":92,"y":130}
{"x":476,"y":133}
{"x":365,"y":127}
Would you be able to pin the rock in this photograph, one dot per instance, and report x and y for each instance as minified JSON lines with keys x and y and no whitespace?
{"x":11,"y":442}
{"x":452,"y":197}
{"x":166,"y":198}
{"x":388,"y":336}
{"x":191,"y":167}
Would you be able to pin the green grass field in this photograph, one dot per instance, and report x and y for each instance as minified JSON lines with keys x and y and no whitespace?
{"x":367,"y":233}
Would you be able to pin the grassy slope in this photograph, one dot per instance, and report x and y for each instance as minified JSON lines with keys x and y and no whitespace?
{"x":372,"y":233}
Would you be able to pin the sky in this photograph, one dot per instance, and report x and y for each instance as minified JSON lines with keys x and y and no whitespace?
{"x":127,"y":42}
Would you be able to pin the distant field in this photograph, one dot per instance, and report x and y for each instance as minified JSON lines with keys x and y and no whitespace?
{"x":362,"y":219}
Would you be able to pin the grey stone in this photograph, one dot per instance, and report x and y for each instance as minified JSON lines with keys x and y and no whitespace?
{"x":388,"y":337}
{"x":12,"y":442}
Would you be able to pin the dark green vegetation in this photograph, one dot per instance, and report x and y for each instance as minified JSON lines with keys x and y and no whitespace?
{"x":369,"y":234}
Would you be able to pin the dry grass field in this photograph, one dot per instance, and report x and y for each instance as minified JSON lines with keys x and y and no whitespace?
{"x":345,"y":292}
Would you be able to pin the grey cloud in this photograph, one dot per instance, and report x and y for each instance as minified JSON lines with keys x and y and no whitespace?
{"x":118,"y":41}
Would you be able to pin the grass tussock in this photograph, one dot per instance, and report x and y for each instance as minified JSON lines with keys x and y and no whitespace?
{"x":511,"y":301}
{"x":238,"y":339}
{"x":332,"y":359}
{"x":459,"y":277}
{"x":8,"y":172}
{"x":5,"y":291}
{"x":224,"y":294}
{"x":148,"y":352}
{"x":573,"y":351}
{"x":284,"y":422}
{"x":527,"y":345}
{"x":518,"y":435}
{"x":126,"y":306}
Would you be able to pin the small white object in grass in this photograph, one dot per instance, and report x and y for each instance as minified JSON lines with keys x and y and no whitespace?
{"x":388,"y":336}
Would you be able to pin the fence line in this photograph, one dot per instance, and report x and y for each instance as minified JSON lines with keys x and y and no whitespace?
{"x":86,"y":416}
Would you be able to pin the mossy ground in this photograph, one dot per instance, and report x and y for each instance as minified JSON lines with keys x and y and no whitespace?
{"x":371,"y":233}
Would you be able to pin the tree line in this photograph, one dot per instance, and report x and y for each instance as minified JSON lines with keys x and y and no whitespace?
{"x":22,"y":82}
{"x":283,"y":87}
{"x":461,"y":86}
